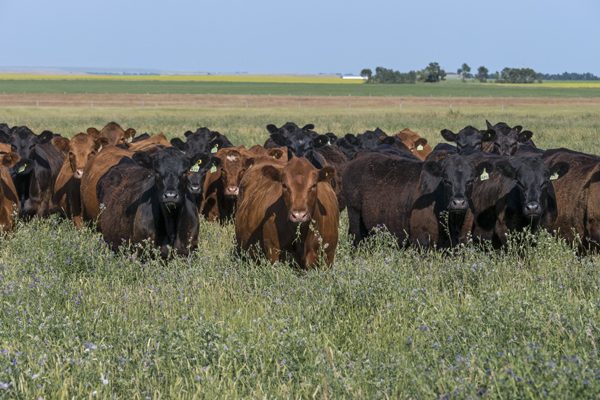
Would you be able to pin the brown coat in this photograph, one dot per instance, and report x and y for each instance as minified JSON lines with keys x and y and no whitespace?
{"x":114,"y":133}
{"x":416,"y":144}
{"x":147,"y":144}
{"x":280,"y":200}
{"x":81,"y":149}
{"x":9,"y":201}
{"x":100,"y":164}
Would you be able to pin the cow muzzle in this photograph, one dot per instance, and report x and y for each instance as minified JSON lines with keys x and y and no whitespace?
{"x":532,"y":209}
{"x":458,"y":204}
{"x":170,"y":196}
{"x":78,"y":174}
{"x":232,"y":191}
{"x":299,"y":216}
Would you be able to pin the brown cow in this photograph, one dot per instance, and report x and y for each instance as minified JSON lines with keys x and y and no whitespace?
{"x":288,"y":212}
{"x":93,"y":171}
{"x":147,"y":144}
{"x":5,"y":148}
{"x":81,"y":150}
{"x":416,"y":144}
{"x":114,"y":133}
{"x":9,"y":200}
{"x":221,"y":186}
{"x":279,"y":153}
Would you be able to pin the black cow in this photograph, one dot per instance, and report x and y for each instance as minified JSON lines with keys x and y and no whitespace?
{"x":35,"y":185}
{"x":519,"y":194}
{"x":409,"y":196}
{"x":507,"y":139}
{"x":4,"y":132}
{"x":200,"y":142}
{"x":468,"y":137}
{"x":150,"y":203}
{"x":350,"y":145}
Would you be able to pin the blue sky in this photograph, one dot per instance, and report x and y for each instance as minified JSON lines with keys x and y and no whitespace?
{"x":310,"y":36}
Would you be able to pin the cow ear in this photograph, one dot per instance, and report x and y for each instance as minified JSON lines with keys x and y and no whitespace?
{"x":93,"y":132}
{"x":215,"y":145}
{"x":142,"y":159}
{"x":22,"y":167}
{"x":524,"y":136}
{"x":201,"y":160}
{"x":4,"y":137}
{"x":248,"y":162}
{"x":518,"y":128}
{"x":559,"y":170}
{"x":487,"y":123}
{"x":278,"y":138}
{"x":308,"y":127}
{"x":188,"y":133}
{"x":320,"y":141}
{"x":216,"y":162}
{"x":100,"y":142}
{"x":488,"y":135}
{"x":272,"y":128}
{"x":270,"y":172}
{"x":433,"y":168}
{"x":504,"y":168}
{"x":45,"y":137}
{"x":326,"y":173}
{"x":388,"y":140}
{"x":275,"y":153}
{"x":380,"y":132}
{"x":484,"y":169}
{"x":61,"y":143}
{"x":449,"y":135}
{"x":420,"y":142}
{"x":9,"y":159}
{"x":178,"y":143}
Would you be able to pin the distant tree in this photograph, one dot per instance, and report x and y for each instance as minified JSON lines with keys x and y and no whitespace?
{"x":464,"y":72}
{"x":432,"y":73}
{"x":366,"y":73}
{"x":385,"y":75}
{"x":518,"y":75}
{"x":497,"y":77}
{"x":540,"y":77}
{"x":482,"y":74}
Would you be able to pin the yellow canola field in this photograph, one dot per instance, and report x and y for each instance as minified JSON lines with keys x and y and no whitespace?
{"x":189,"y":78}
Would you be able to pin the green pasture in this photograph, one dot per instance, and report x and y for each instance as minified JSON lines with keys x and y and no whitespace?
{"x":79,"y":321}
{"x":444,"y":89}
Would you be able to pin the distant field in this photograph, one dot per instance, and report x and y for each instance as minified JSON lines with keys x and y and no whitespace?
{"x":59,"y":84}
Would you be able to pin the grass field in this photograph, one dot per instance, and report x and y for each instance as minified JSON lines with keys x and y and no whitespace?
{"x":80,"y":321}
{"x":445,"y":89}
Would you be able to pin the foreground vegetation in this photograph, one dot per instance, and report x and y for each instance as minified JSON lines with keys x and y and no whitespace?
{"x":80,"y":321}
{"x":444,"y":89}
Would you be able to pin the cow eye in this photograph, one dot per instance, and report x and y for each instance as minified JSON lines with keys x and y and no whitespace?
{"x":283,"y":185}
{"x":313,"y":187}
{"x":13,"y":147}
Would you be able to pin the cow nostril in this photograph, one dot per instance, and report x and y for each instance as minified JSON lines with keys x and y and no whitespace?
{"x":459,"y":203}
{"x":533,"y":207}
{"x":171,"y":195}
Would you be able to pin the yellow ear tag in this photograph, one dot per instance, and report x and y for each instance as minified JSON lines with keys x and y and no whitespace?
{"x":22,"y":168}
{"x":326,"y":173}
{"x":554,"y":176}
{"x":484,"y":176}
{"x":195,"y":168}
{"x":420,"y":147}
{"x":213,"y":169}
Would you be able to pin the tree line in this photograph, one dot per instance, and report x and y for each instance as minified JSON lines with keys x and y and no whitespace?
{"x":434,"y":73}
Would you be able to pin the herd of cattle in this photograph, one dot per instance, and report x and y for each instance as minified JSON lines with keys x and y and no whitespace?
{"x":286,"y":196}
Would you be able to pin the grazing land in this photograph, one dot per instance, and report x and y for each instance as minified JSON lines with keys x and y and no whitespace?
{"x":282,"y":87}
{"x":80,"y":321}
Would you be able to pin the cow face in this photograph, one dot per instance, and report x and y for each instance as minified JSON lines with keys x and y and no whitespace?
{"x":198,"y":143}
{"x":458,"y":173}
{"x":299,"y":143}
{"x":532,"y":178}
{"x":299,"y":185}
{"x":170,"y":168}
{"x":23,"y":141}
{"x":198,"y":171}
{"x":507,"y":139}
{"x":348,"y":145}
{"x":233,"y":168}
{"x":114,"y":133}
{"x":81,"y":149}
{"x":468,"y":138}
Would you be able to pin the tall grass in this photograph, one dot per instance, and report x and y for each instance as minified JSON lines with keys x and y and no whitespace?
{"x":78,"y":320}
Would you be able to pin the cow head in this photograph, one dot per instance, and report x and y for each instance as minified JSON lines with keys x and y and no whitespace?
{"x":458,"y":174}
{"x":81,"y":149}
{"x":200,"y":142}
{"x":198,"y":171}
{"x":170,"y":169}
{"x":507,"y":139}
{"x":299,"y":143}
{"x":23,"y":141}
{"x":234,"y":166}
{"x":372,"y":139}
{"x":299,"y":186}
{"x":468,"y":138}
{"x":114,"y":133}
{"x":532,"y":178}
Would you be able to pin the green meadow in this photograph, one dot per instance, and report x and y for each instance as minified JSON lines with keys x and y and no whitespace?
{"x":79,"y":321}
{"x":444,"y":89}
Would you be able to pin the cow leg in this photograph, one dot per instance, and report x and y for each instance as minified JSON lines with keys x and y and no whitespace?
{"x":356,"y":227}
